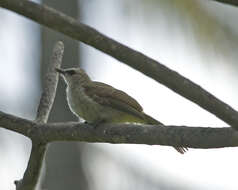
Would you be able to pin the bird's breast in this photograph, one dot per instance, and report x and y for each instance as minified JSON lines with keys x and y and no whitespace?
{"x":82,"y":105}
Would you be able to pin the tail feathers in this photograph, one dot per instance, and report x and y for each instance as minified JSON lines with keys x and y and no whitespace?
{"x":150,"y":120}
{"x":181,"y":150}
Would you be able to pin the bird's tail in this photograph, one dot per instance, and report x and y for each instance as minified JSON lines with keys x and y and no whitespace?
{"x":152,"y":121}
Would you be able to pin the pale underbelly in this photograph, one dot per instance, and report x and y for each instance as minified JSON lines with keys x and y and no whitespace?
{"x":91,"y":111}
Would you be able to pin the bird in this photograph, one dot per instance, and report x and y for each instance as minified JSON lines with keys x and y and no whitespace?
{"x":98,"y":103}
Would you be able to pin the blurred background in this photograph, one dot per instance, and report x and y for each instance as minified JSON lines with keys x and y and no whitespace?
{"x":196,"y":38}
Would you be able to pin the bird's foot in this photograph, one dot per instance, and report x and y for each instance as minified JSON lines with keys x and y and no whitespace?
{"x":95,"y":124}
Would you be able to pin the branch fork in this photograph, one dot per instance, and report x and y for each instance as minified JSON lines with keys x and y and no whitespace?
{"x":41,"y":133}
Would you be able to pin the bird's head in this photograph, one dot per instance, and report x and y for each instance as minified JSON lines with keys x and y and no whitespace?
{"x":73,"y":76}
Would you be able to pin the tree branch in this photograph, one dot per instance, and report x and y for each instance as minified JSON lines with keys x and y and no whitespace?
{"x":51,"y":81}
{"x":38,"y":150}
{"x":228,"y":2}
{"x":42,"y":133}
{"x":16,"y":124}
{"x":60,"y":22}
{"x":192,"y":137}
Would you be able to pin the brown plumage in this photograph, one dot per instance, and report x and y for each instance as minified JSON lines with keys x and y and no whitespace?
{"x":96,"y":101}
{"x":109,"y":96}
{"x":106,"y":95}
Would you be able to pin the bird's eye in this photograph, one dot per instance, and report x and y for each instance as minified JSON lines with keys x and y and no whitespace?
{"x":71,"y":72}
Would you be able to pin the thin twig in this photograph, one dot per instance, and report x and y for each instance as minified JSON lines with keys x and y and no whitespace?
{"x":60,"y":22}
{"x":32,"y":172}
{"x":51,"y":81}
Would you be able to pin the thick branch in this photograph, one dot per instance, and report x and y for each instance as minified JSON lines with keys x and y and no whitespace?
{"x":32,"y":172}
{"x":69,"y":26}
{"x":192,"y":137}
{"x":228,"y":2}
{"x":34,"y":165}
{"x":16,"y":124}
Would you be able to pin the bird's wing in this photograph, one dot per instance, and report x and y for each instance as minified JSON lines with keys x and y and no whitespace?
{"x":108,"y":96}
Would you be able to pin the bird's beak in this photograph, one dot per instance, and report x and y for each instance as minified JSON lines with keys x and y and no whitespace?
{"x":60,"y":71}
